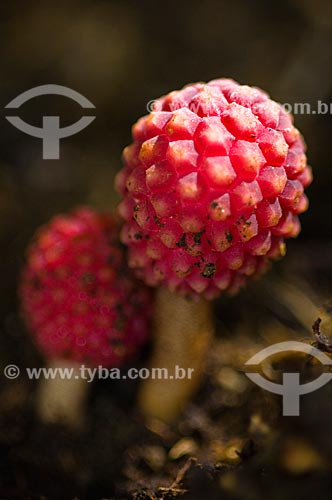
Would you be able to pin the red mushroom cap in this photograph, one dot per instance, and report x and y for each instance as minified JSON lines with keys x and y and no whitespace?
{"x":78,"y":297}
{"x":212,"y":185}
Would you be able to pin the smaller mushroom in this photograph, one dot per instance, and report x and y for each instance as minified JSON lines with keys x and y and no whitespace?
{"x":82,"y":307}
{"x":213,"y":183}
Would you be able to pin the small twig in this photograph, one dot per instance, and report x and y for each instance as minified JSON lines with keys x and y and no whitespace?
{"x":182,"y":472}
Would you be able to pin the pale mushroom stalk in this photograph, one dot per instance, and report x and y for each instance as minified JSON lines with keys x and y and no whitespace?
{"x":183,"y":330}
{"x":63,"y":398}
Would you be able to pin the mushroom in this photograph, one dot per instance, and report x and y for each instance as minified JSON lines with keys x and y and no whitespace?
{"x":212,"y":185}
{"x":82,"y":307}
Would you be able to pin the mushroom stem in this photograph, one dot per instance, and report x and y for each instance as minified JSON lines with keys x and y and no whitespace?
{"x":62,"y":399}
{"x":183,"y":330}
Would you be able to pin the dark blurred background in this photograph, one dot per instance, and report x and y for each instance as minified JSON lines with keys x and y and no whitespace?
{"x":120,"y":55}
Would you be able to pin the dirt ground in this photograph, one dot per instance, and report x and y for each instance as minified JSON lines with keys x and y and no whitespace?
{"x":231,"y":442}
